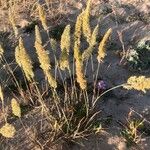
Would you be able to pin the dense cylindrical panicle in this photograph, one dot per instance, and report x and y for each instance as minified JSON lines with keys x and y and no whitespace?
{"x":8,"y":130}
{"x":51,"y":80}
{"x":94,"y":35}
{"x":17,"y":56}
{"x":43,"y":57}
{"x":102,"y":46}
{"x":15,"y":108}
{"x":79,"y":73}
{"x":42,"y":16}
{"x":77,"y":55}
{"x":77,"y":35}
{"x":25,"y":61}
{"x":38,"y":37}
{"x":12,"y":21}
{"x":65,"y":39}
{"x":140,"y":83}
{"x":45,"y":64}
{"x":86,"y":22}
{"x":65,"y":48}
{"x":78,"y":27}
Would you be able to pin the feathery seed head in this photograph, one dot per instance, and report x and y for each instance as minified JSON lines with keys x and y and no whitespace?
{"x":79,"y":73}
{"x":52,"y":82}
{"x":42,"y":56}
{"x":25,"y":61}
{"x":140,"y":83}
{"x":77,"y":55}
{"x":11,"y":17}
{"x":15,"y":108}
{"x":102,"y":49}
{"x":77,"y":36}
{"x":38,"y":35}
{"x":17,"y":56}
{"x":65,"y":39}
{"x":65,"y":47}
{"x":94,"y":35}
{"x":8,"y":130}
{"x":78,"y":27}
{"x":42,"y":17}
{"x":12,"y":21}
{"x":86,"y":22}
{"x":45,"y":63}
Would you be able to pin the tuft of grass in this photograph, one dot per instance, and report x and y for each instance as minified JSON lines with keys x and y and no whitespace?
{"x":131,"y":132}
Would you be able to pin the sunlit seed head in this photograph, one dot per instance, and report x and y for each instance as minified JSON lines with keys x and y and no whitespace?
{"x":86,"y":22}
{"x":8,"y":130}
{"x":17,"y":56}
{"x":12,"y":22}
{"x":45,"y":64}
{"x":15,"y":108}
{"x":140,"y":83}
{"x":38,"y":35}
{"x":65,"y":39}
{"x":42,"y":17}
{"x":80,"y":76}
{"x":25,"y":61}
{"x":102,"y":46}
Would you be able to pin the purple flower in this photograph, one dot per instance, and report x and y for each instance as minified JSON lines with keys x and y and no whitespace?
{"x":101,"y":85}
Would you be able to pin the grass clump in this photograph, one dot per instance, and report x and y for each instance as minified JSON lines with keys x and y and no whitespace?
{"x":131,"y":132}
{"x":69,"y":111}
